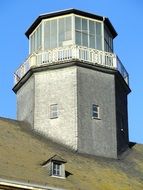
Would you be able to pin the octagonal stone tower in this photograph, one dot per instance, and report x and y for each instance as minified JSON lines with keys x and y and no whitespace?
{"x":73,"y":88}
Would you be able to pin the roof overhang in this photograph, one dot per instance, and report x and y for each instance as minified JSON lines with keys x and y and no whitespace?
{"x":68,"y":64}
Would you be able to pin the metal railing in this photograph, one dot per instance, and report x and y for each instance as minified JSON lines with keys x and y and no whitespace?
{"x":70,"y":53}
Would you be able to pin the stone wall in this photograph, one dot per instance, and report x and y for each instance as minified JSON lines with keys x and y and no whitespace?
{"x":57,"y":86}
{"x":75,"y":88}
{"x":96,"y":136}
{"x":25,"y":102}
{"x":122,"y":117}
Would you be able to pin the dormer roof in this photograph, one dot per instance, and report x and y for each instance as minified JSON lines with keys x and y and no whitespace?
{"x":55,"y":158}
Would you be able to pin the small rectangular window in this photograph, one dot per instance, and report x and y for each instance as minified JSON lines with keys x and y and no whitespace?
{"x":56,"y":169}
{"x":95,"y":111}
{"x":53,"y":111}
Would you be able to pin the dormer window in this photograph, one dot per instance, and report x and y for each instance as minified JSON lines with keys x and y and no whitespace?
{"x":55,"y":166}
{"x":56,"y":169}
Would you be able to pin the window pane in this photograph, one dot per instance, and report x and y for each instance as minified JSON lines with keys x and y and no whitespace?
{"x":32,"y":43}
{"x":95,"y":111}
{"x":78,"y":38}
{"x":108,"y":40}
{"x":95,"y":115}
{"x":53,"y":111}
{"x":95,"y":108}
{"x":61,"y":31}
{"x":91,"y":27}
{"x":68,"y":28}
{"x":38,"y":38}
{"x":84,"y":39}
{"x":56,"y":169}
{"x":84,"y":26}
{"x":98,"y":28}
{"x":53,"y":34}
{"x":98,"y":36}
{"x":98,"y":42}
{"x":78,"y":23}
{"x":47,"y":35}
{"x":35,"y":40}
{"x":92,"y":41}
{"x":38,"y":35}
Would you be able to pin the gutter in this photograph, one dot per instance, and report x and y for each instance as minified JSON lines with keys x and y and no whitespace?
{"x":24,"y":185}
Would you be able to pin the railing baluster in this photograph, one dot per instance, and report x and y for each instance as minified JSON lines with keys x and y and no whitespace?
{"x":80,"y":53}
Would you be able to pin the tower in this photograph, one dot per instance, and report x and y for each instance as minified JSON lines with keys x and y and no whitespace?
{"x":73,"y":88}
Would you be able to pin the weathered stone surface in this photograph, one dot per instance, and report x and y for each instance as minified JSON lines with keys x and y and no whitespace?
{"x":26,"y":101}
{"x":57,"y":87}
{"x":96,"y":136}
{"x":75,"y":88}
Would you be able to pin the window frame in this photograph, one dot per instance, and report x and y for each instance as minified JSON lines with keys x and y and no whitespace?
{"x":108,"y":40}
{"x":54,"y":111}
{"x":81,"y":32}
{"x":95,"y":111}
{"x":57,"y":171}
{"x":35,"y":39}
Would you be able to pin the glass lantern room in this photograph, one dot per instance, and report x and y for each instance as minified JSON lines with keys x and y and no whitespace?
{"x":70,"y":35}
{"x":71,"y":30}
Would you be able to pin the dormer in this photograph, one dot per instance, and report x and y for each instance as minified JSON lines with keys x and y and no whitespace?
{"x":55,"y":166}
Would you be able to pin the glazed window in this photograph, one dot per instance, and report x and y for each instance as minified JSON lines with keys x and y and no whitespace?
{"x":54,"y":111}
{"x":88,"y":33}
{"x":36,"y":40}
{"x":57,"y":32}
{"x":56,"y":169}
{"x":95,"y":111}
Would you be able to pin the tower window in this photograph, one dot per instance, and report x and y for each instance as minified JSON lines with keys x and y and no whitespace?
{"x":53,"y":111}
{"x":95,"y":111}
{"x":36,"y":39}
{"x":57,"y":31}
{"x":88,"y":33}
{"x":108,"y":40}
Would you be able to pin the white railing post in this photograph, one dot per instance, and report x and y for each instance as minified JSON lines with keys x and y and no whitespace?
{"x":32,"y":61}
{"x":71,"y":52}
{"x":115,"y":61}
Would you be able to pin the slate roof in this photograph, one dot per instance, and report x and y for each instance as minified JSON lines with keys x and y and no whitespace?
{"x":22,"y":153}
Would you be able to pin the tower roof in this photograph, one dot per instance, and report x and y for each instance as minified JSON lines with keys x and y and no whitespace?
{"x":69,"y":11}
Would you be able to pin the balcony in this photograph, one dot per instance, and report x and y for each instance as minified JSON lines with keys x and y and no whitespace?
{"x":71,"y":53}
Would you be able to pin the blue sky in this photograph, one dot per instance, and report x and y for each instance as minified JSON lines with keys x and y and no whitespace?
{"x":126,"y":16}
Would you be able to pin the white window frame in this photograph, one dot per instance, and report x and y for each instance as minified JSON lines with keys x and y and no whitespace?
{"x":54,"y":111}
{"x":37,"y":40}
{"x":95,"y":21}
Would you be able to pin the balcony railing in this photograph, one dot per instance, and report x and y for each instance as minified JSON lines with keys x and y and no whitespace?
{"x":70,"y":53}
